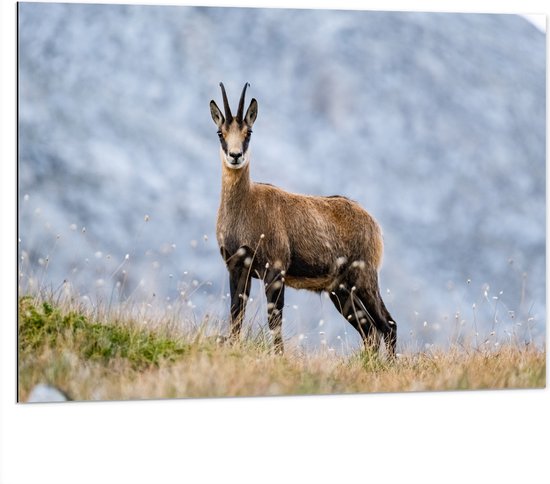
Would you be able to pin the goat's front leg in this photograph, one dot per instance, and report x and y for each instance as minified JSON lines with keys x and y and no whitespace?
{"x":275,"y":294}
{"x":239,"y":287}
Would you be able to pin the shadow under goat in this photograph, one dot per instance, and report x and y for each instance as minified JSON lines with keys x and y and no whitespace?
{"x":285,"y":239}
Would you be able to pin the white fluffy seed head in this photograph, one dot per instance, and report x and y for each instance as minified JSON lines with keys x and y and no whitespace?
{"x":340,"y":261}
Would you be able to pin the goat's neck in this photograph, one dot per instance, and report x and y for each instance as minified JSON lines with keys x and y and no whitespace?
{"x":236,"y":185}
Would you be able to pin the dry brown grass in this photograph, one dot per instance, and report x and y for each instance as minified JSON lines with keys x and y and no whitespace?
{"x":93,"y":360}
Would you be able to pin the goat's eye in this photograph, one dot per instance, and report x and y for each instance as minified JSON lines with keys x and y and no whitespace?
{"x":219,"y":133}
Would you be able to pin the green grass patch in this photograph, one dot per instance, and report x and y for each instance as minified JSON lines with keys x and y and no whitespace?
{"x":43,"y":325}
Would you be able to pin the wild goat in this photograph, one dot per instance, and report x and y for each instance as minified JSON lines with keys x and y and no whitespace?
{"x":305,"y":242}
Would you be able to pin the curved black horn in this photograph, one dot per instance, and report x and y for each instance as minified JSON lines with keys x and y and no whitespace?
{"x":227,"y":109}
{"x":241,"y":104}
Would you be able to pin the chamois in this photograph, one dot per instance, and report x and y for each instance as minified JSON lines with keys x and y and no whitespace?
{"x":285,"y":239}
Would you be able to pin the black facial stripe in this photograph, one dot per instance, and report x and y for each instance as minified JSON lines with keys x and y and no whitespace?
{"x":224,"y":144}
{"x":245,"y":143}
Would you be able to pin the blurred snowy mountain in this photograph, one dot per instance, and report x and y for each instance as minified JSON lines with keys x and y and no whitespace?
{"x":435,"y":123}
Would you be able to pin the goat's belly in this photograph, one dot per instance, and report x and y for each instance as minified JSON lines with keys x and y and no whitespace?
{"x":310,"y":283}
{"x":304,"y":273}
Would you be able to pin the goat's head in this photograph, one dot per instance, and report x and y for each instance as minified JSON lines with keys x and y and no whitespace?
{"x":234,"y":132}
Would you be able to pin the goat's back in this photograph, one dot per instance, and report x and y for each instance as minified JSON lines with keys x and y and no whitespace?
{"x":318,"y":234}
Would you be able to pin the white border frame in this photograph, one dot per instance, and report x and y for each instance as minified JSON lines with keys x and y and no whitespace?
{"x":454,"y":437}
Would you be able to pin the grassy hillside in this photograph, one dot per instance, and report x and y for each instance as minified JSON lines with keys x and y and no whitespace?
{"x":92,"y":359}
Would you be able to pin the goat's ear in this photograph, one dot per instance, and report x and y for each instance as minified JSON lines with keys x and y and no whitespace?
{"x":251,"y":112}
{"x":217,"y":115}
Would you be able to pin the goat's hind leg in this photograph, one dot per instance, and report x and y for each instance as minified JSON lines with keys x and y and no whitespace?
{"x":352,"y":308}
{"x":363,"y":307}
{"x":390,"y":336}
{"x":375,"y":307}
